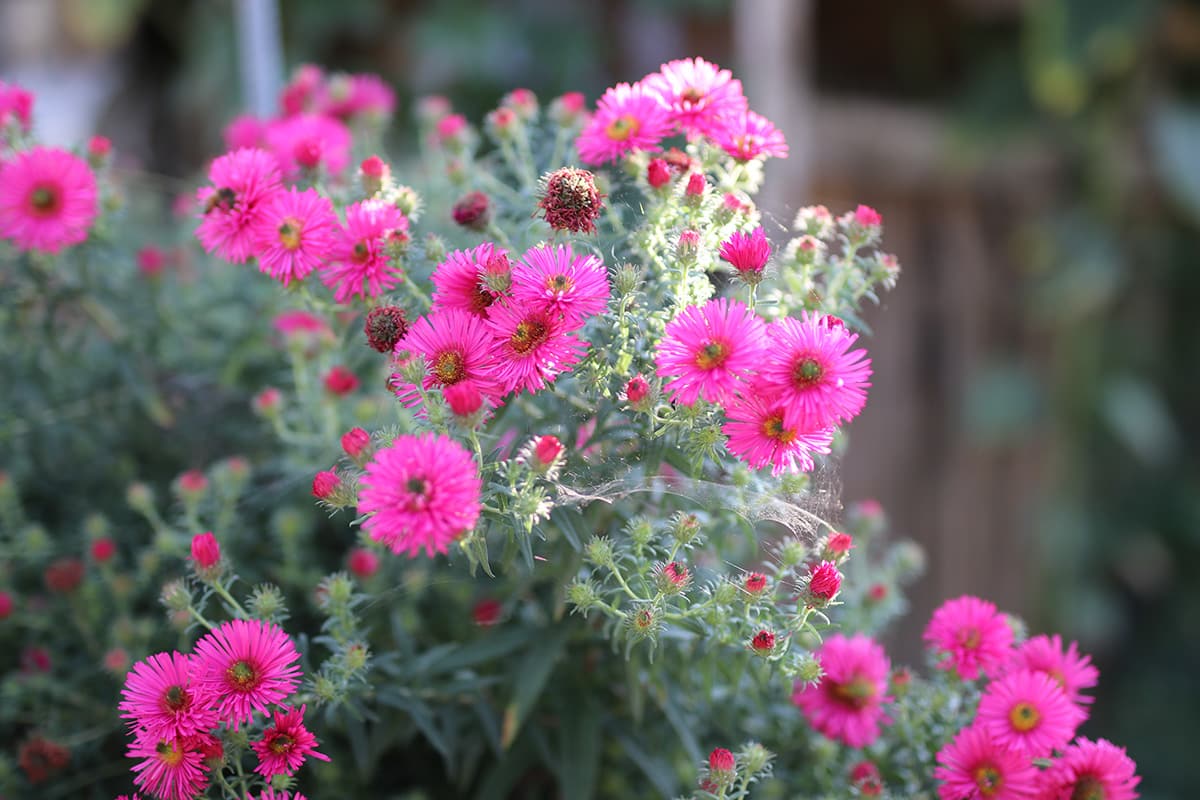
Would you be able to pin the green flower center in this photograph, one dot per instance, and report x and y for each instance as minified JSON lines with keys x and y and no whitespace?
{"x":243,"y":676}
{"x":808,"y":372}
{"x":712,"y":355}
{"x":621,"y":128}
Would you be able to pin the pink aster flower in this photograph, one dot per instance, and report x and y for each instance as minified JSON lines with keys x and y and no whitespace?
{"x":16,"y":107}
{"x":170,"y":768}
{"x":47,"y":199}
{"x":456,"y":346}
{"x":533,"y":347}
{"x":458,"y":281}
{"x":269,"y":793}
{"x":1088,"y":769}
{"x":362,"y":95}
{"x":758,"y":436}
{"x":303,"y":91}
{"x":244,"y":665}
{"x":847,"y":705}
{"x":707,"y":351}
{"x":242,"y":182}
{"x":361,"y":265}
{"x":976,"y":767}
{"x":286,"y":744}
{"x":627,"y":118}
{"x":811,"y":369}
{"x":698,"y":94}
{"x":309,"y":141}
{"x":421,"y":492}
{"x":1069,"y":668}
{"x":295,"y":234}
{"x":160,"y":697}
{"x":969,"y":636}
{"x":1029,"y":713}
{"x":747,"y":136}
{"x":245,"y":131}
{"x":552,"y":278}
{"x":747,"y":253}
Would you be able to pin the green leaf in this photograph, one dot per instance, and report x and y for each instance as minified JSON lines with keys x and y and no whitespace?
{"x":579,"y":745}
{"x":530,"y":678}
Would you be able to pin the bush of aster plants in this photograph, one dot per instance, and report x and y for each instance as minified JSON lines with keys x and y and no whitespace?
{"x":571,"y":424}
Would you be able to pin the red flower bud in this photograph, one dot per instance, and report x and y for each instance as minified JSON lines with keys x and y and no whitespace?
{"x":464,"y":398}
{"x":721,"y":760}
{"x":363,"y":562}
{"x":547,"y":449}
{"x":340,"y":381}
{"x":355,"y":441}
{"x":658,"y":174}
{"x":103,"y":549}
{"x":6,"y":605}
{"x":636,"y":390}
{"x":824,"y":581}
{"x":487,"y":612}
{"x":206,"y":552}
{"x":64,"y":575}
{"x":763,"y":642}
{"x":696,"y":184}
{"x":755,"y":583}
{"x":325,"y":484}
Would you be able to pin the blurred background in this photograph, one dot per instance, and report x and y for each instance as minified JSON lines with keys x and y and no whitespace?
{"x":1037,"y":165}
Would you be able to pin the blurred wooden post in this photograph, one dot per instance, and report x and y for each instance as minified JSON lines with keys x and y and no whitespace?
{"x":771,"y":40}
{"x":260,"y":54}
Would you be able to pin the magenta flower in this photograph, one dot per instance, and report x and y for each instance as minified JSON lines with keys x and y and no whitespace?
{"x":286,"y":744}
{"x":362,"y":266}
{"x":976,"y":767}
{"x":533,"y":347}
{"x":969,"y":636}
{"x":1028,"y":712}
{"x":245,"y":665}
{"x":698,"y":94}
{"x":47,"y":199}
{"x":170,"y":768}
{"x":421,"y":492}
{"x":309,"y":141}
{"x":747,"y":136}
{"x":16,"y":106}
{"x":456,"y":346}
{"x":758,"y":436}
{"x":1090,"y":769}
{"x":295,"y":234}
{"x":747,"y":253}
{"x":458,"y":281}
{"x":242,"y":182}
{"x":160,"y":697}
{"x":847,"y":705}
{"x":1069,"y":669}
{"x":627,"y":118}
{"x":813,"y":372}
{"x":553,"y":279}
{"x":708,"y":351}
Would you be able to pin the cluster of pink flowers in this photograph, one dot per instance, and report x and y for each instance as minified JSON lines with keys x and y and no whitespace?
{"x":48,"y":195}
{"x":500,"y":327}
{"x":686,"y":96}
{"x":784,"y":386}
{"x":1028,"y":715}
{"x":177,"y":706}
{"x":254,"y":209}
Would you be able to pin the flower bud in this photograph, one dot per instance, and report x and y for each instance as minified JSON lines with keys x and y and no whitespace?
{"x":206,"y":553}
{"x":64,"y":576}
{"x":900,"y":681}
{"x":473,"y":211}
{"x":99,"y":148}
{"x":140,"y":497}
{"x":266,"y":603}
{"x":695,"y":186}
{"x":724,"y":593}
{"x":689,"y":244}
{"x":722,"y":767}
{"x":792,"y":552}
{"x":103,"y":549}
{"x":865,"y":777}
{"x":673,"y":578}
{"x":191,"y":486}
{"x":582,"y":595}
{"x":523,"y":102}
{"x":116,"y":662}
{"x":267,"y":402}
{"x":626,"y":279}
{"x":808,"y":670}
{"x":435,"y":248}
{"x":570,"y":200}
{"x":824,"y":582}
{"x":486,"y":612}
{"x":363,"y":563}
{"x":755,"y":584}
{"x":763,"y":643}
{"x":637,"y":390}
{"x":374,"y":174}
{"x":356,"y":443}
{"x":340,"y":381}
{"x":685,"y":528}
{"x":837,"y":547}
{"x":599,"y":551}
{"x":384,"y":326}
{"x":658,"y":174}
{"x":568,"y":109}
{"x":910,"y":558}
{"x":548,"y":449}
{"x":755,"y":758}
{"x":6,"y":605}
{"x":502,"y":123}
{"x":464,"y":399}
{"x":325,"y":484}
{"x":175,"y":596}
{"x":643,"y":623}
{"x":877,"y":592}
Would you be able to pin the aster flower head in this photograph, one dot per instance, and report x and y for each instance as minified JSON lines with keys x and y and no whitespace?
{"x":759,"y":437}
{"x":847,"y":705}
{"x":1028,"y":712}
{"x":473,"y":210}
{"x":1090,"y":770}
{"x":976,"y":767}
{"x":1069,"y":668}
{"x":698,"y":94}
{"x":747,"y":253}
{"x":269,"y":793}
{"x":16,"y":107}
{"x":246,"y":130}
{"x":295,"y":234}
{"x":570,"y":200}
{"x":160,"y":697}
{"x":170,"y":768}
{"x":362,"y":265}
{"x":48,"y":199}
{"x":456,"y":347}
{"x":459,"y":279}
{"x":552,"y":278}
{"x":708,"y":351}
{"x":309,"y":142}
{"x":813,"y":371}
{"x":241,"y":184}
{"x":969,"y":636}
{"x":628,"y":118}
{"x":746,"y":136}
{"x":533,"y":347}
{"x":243,"y":666}
{"x":384,"y":326}
{"x":421,"y":492}
{"x":822,"y":584}
{"x":285,"y":744}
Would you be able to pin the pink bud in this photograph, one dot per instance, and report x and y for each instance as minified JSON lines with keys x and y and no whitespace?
{"x":192,"y":483}
{"x":355,"y":441}
{"x":867,"y":217}
{"x":463,"y":398}
{"x":103,"y":550}
{"x":267,"y":401}
{"x":6,"y":605}
{"x":307,"y":153}
{"x":340,"y":381}
{"x":487,"y":612}
{"x":824,"y":581}
{"x":637,"y":389}
{"x":547,"y":449}
{"x":363,"y":562}
{"x":696,"y":184}
{"x":658,"y":173}
{"x":763,"y":642}
{"x":99,"y":148}
{"x":151,"y":261}
{"x":374,"y":167}
{"x":325,"y":483}
{"x":206,"y":552}
{"x":721,"y":760}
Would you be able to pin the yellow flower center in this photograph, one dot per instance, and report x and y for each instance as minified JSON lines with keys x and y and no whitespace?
{"x":989,"y":780}
{"x":1088,"y":788}
{"x":243,"y":676}
{"x":856,"y":693}
{"x":168,"y":753}
{"x":449,"y":368}
{"x":1024,"y":717}
{"x":559,"y":283}
{"x":621,"y":128}
{"x":528,"y":335}
{"x":289,"y":233}
{"x":175,"y":698}
{"x":772,"y":428}
{"x":281,"y":743}
{"x":711,"y":355}
{"x":808,"y":372}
